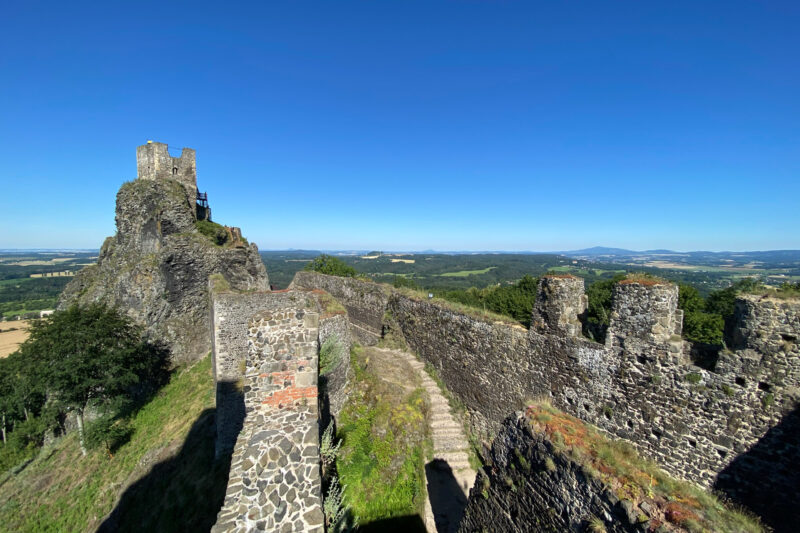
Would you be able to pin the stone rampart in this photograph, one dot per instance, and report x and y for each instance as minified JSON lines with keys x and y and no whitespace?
{"x":639,"y":387}
{"x":365,"y":302}
{"x":560,"y":300}
{"x":266,"y":350}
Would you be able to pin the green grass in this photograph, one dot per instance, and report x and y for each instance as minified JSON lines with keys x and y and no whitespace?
{"x":63,"y":491}
{"x":465,"y":273}
{"x":457,"y":307}
{"x":381,"y":461}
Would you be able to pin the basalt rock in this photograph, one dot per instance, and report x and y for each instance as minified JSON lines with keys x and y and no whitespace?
{"x":157,"y":267}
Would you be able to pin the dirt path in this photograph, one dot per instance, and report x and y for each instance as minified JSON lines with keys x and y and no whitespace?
{"x":449,"y":474}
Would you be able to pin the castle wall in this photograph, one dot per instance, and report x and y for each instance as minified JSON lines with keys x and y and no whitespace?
{"x":274,"y":481}
{"x":560,"y":302}
{"x":153,"y":162}
{"x":365,"y":302}
{"x":639,"y":387}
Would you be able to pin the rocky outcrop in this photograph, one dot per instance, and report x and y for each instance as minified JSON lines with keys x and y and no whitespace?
{"x":157,"y":267}
{"x":549,"y":471}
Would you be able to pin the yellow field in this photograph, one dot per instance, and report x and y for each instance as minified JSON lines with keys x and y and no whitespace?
{"x":10,"y":340}
{"x":403,"y":261}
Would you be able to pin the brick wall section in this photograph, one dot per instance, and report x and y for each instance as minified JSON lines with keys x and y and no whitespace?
{"x":639,"y":387}
{"x":274,"y":482}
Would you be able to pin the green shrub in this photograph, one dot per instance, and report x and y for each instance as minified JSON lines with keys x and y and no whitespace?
{"x":332,"y":266}
{"x":216,"y":233}
{"x":693,"y":377}
{"x":330,"y":354}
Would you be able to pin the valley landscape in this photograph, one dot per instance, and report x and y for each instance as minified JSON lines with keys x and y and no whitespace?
{"x":414,"y":267}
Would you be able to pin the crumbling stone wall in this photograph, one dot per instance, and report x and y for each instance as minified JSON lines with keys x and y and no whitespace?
{"x":365,"y":302}
{"x":153,"y":162}
{"x":645,"y":310}
{"x":640,"y":386}
{"x":274,"y":483}
{"x":561,"y":301}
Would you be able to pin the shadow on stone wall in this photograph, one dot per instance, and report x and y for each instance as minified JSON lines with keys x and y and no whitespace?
{"x":182,"y":493}
{"x":399,"y":524}
{"x":774,"y":457}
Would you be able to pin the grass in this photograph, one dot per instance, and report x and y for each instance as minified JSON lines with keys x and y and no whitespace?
{"x":645,"y":279}
{"x":330,"y":354}
{"x":465,"y":273}
{"x":474,"y":312}
{"x":62,"y":491}
{"x":617,"y":465}
{"x":383,"y":432}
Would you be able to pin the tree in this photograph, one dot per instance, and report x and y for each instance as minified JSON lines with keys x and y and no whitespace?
{"x":88,"y":355}
{"x":333,"y":266}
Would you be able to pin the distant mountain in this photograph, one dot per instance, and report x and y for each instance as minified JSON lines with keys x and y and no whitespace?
{"x":600,"y":250}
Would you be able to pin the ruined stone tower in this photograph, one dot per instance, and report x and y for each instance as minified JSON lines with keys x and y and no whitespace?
{"x":153,"y":162}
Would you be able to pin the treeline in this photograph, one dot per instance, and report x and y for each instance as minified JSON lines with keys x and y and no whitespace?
{"x":704,"y":320}
{"x":29,"y":295}
{"x":90,"y":359}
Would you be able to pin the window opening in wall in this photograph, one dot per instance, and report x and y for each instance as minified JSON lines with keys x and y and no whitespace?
{"x":174,"y":170}
{"x":740,"y":381}
{"x":766,"y":387}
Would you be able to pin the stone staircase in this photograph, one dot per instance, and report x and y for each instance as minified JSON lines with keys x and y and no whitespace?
{"x":450,"y":462}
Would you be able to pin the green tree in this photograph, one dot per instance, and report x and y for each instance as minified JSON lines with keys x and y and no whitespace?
{"x":90,"y":355}
{"x":598,"y":313}
{"x":333,"y":266}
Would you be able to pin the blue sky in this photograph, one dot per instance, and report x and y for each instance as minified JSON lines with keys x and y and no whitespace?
{"x":473,"y":125}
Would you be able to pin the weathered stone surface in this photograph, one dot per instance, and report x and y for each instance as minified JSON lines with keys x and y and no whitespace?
{"x":560,"y":300}
{"x":532,"y":487}
{"x":266,"y":359}
{"x":365,"y":302}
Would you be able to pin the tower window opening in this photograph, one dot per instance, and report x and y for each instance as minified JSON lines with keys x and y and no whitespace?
{"x":174,"y":170}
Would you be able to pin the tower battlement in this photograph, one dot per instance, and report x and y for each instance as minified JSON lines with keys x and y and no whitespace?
{"x":153,"y":162}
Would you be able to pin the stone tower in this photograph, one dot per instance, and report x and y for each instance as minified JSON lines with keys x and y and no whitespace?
{"x":153,"y":162}
{"x":560,"y":300}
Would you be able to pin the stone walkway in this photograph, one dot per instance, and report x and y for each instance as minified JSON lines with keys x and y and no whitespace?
{"x":449,"y":474}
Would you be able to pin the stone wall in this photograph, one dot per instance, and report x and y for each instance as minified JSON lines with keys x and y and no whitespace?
{"x":640,"y":386}
{"x":560,"y":302}
{"x":333,"y":383}
{"x":365,"y":302}
{"x":274,"y":483}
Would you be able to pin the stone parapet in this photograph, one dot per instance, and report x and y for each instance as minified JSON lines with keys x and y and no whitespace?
{"x":645,"y":310}
{"x":274,"y":483}
{"x":560,"y":300}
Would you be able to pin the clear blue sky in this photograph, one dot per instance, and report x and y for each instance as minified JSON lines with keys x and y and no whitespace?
{"x":412,"y":124}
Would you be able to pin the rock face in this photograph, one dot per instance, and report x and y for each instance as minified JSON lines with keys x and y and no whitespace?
{"x":532,"y":487}
{"x":157,"y":267}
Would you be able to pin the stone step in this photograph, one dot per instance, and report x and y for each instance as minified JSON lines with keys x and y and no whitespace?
{"x":442,"y":418}
{"x":444,"y":424}
{"x":452,"y":429}
{"x":448,"y":445}
{"x":452,"y":457}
